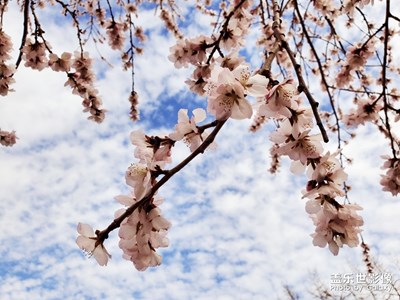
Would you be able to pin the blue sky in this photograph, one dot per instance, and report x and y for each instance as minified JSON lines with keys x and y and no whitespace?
{"x":237,"y":231}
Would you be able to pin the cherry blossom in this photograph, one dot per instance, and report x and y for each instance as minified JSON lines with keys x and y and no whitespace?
{"x":226,"y":96}
{"x":7,"y":138}
{"x":187,"y":130}
{"x":298,"y":147}
{"x":138,"y":176}
{"x":89,"y":243}
{"x":115,"y":32}
{"x":367,"y":111}
{"x":254,"y":85}
{"x":141,"y":234}
{"x":337,"y":226}
{"x":327,"y":178}
{"x":151,"y":151}
{"x":60,"y":64}
{"x":391,"y":180}
{"x":5,"y":46}
{"x":6,"y":79}
{"x":280,"y":100}
{"x":34,"y":54}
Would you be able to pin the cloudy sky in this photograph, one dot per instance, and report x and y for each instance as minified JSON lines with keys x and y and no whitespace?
{"x":238,"y":232}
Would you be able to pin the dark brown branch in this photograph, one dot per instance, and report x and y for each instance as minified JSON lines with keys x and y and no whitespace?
{"x":321,"y":70}
{"x":24,"y":32}
{"x":302,"y":85}
{"x":384,"y":87}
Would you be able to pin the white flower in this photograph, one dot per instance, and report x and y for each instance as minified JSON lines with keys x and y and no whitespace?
{"x":88,"y":242}
{"x":226,"y":96}
{"x":187,"y":130}
{"x":255,"y":85}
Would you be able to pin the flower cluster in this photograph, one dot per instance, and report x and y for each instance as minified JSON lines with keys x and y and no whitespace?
{"x":356,"y":58}
{"x":367,"y":111}
{"x":7,"y":138}
{"x":236,"y":29}
{"x":82,"y":83}
{"x":391,"y":180}
{"x":336,"y":224}
{"x":142,"y":233}
{"x":187,"y":130}
{"x":189,"y":51}
{"x":115,"y":33}
{"x":34,"y":54}
{"x":227,"y":91}
{"x":6,"y":71}
{"x":60,"y":64}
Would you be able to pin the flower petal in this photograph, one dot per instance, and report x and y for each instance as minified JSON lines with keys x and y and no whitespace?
{"x":85,"y":230}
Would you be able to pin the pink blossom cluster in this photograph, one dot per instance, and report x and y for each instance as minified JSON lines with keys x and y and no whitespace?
{"x":237,"y":28}
{"x":82,"y":83}
{"x":350,"y":5}
{"x":189,"y":51}
{"x":293,"y":136}
{"x":115,"y":33}
{"x":6,"y":71}
{"x":145,"y":229}
{"x":142,"y":233}
{"x":187,"y":130}
{"x":227,"y":91}
{"x":391,"y":180}
{"x":356,"y":58}
{"x":60,"y":64}
{"x":81,"y":80}
{"x":336,"y":224}
{"x":7,"y":138}
{"x":35,"y":54}
{"x":367,"y":111}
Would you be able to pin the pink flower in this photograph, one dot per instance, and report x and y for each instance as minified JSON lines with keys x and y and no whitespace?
{"x":60,"y":64}
{"x":327,"y":178}
{"x":357,"y":56}
{"x":7,"y":138}
{"x":367,"y":111}
{"x":115,"y":33}
{"x":226,"y":96}
{"x":151,"y":151}
{"x":34,"y":54}
{"x":141,"y":233}
{"x":391,"y":180}
{"x":255,"y":85}
{"x":280,"y":100}
{"x":298,"y":147}
{"x":191,"y":51}
{"x":138,"y":176}
{"x":6,"y":79}
{"x":338,"y":227}
{"x":5,"y":46}
{"x":199,"y":79}
{"x":89,"y":243}
{"x":187,"y":130}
